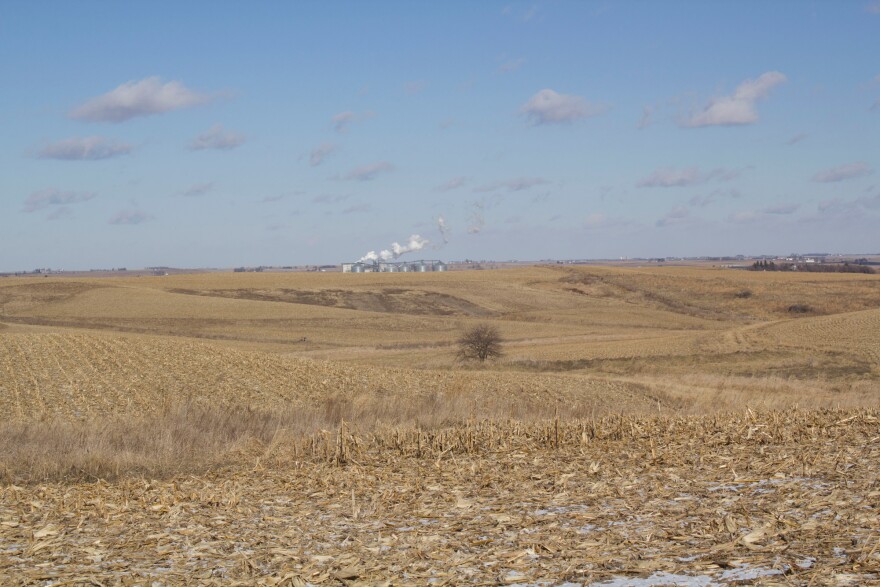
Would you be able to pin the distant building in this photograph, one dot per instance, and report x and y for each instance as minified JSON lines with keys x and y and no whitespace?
{"x":422,"y":266}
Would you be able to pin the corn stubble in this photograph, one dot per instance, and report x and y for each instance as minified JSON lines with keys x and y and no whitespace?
{"x":644,"y":423}
{"x":793,"y":492}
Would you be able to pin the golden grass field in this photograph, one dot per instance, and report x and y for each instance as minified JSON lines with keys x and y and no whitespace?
{"x":317,"y":428}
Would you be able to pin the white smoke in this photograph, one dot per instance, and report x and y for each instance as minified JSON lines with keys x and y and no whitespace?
{"x":415,"y":243}
{"x":444,"y":229}
{"x":477,"y":221}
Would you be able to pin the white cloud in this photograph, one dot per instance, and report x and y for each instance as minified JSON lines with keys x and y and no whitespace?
{"x":217,"y":137}
{"x":84,"y":149}
{"x":672,"y":177}
{"x":452,"y":184}
{"x":549,"y":107}
{"x":199,"y":189}
{"x":344,"y":120}
{"x":513,"y":185}
{"x":138,"y":98}
{"x":843,"y":172}
{"x":53,"y":197}
{"x":321,"y":152}
{"x":738,"y":108}
{"x":130,"y":217}
{"x":369,"y":172}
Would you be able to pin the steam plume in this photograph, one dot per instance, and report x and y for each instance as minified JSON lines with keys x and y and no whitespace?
{"x":444,"y":229}
{"x":415,"y":243}
{"x":477,"y":221}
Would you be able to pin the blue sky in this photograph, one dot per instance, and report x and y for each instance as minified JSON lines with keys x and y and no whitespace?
{"x":223,"y":134}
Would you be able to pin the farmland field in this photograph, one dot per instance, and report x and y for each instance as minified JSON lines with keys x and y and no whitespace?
{"x":693,"y":426}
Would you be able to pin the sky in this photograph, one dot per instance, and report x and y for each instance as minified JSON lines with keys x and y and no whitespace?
{"x":223,"y":134}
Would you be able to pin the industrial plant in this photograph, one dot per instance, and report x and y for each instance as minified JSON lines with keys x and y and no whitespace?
{"x":424,"y":266}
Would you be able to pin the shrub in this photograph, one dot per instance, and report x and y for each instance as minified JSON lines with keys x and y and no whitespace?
{"x":480,"y":342}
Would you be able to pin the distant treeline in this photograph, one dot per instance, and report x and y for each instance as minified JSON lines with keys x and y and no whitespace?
{"x":857,"y":267}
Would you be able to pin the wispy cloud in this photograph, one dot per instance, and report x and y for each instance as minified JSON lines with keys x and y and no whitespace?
{"x":743,"y":217}
{"x":511,"y":65}
{"x":647,"y":118}
{"x":598,"y":221}
{"x":843,"y":172}
{"x":54,"y":197}
{"x":670,"y":177}
{"x":130,"y":217}
{"x":60,"y":213}
{"x":781,"y":209}
{"x":217,"y":137}
{"x":528,"y":14}
{"x":321,"y":152}
{"x":84,"y":149}
{"x":512,"y":185}
{"x":688,"y":176}
{"x":414,"y":87}
{"x":343,"y":121}
{"x":452,"y":184}
{"x":358,"y":209}
{"x":706,"y":199}
{"x":677,"y":215}
{"x":550,"y":107}
{"x":797,"y":139}
{"x":738,"y":108}
{"x":138,"y":98}
{"x":330,"y":198}
{"x":837,"y":205}
{"x":198,"y":189}
{"x":873,"y":7}
{"x":369,"y":172}
{"x":749,"y":216}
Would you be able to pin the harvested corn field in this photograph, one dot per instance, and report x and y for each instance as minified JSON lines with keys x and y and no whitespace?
{"x":780,"y":498}
{"x":644,"y":427}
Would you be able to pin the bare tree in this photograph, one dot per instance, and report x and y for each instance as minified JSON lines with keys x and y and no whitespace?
{"x":480,"y":342}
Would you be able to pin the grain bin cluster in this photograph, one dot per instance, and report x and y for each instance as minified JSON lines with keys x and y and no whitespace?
{"x":423,"y":266}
